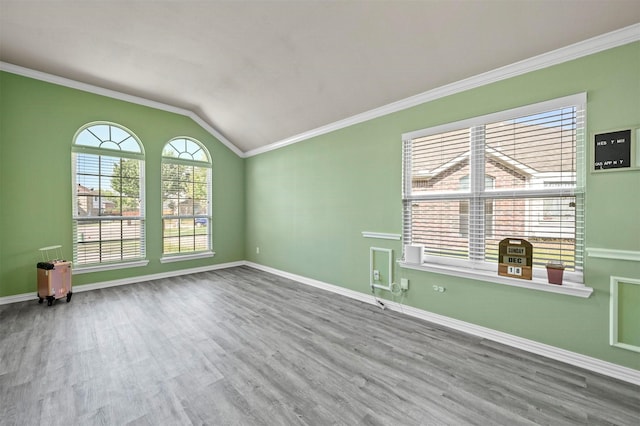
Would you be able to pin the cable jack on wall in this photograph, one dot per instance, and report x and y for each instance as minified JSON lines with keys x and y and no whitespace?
{"x":377,"y":279}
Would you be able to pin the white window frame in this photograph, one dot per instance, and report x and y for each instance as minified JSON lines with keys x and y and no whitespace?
{"x":476,"y":267}
{"x":186,"y":158}
{"x":107,"y":147}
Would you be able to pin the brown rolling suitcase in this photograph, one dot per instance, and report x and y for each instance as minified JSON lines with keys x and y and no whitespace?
{"x":54,"y":277}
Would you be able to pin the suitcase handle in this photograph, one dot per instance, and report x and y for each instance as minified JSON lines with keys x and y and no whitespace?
{"x":49,"y":248}
{"x":44,"y":251}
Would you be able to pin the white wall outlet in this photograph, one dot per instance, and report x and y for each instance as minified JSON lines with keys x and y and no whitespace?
{"x":257,"y":250}
{"x":376,"y":275}
{"x":404,"y":284}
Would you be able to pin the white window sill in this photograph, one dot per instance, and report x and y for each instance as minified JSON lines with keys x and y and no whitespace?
{"x":108,"y":267}
{"x":190,"y":256}
{"x":568,"y":288}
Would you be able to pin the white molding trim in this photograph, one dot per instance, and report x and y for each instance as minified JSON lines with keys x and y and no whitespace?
{"x":590,"y":46}
{"x":583,"y":48}
{"x":61,"y":81}
{"x":583,"y":361}
{"x":184,"y":257}
{"x":18,"y":298}
{"x":381,"y":235}
{"x":108,"y":267}
{"x":367,"y":298}
{"x":604,"y":253}
{"x":125,"y":281}
{"x":613,"y":313}
{"x":567,"y":288}
{"x":372,"y":280}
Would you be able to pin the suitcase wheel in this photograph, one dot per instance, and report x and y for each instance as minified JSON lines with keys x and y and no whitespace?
{"x":69,"y":297}
{"x":50,"y":300}
{"x":40,"y":299}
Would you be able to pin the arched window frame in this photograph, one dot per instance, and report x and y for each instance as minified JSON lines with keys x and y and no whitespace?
{"x":108,"y":224}
{"x":186,"y":187}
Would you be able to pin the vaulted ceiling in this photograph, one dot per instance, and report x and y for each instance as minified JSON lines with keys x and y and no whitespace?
{"x":260,"y":72}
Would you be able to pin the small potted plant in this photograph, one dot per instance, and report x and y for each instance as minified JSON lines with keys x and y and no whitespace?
{"x":555,"y":270}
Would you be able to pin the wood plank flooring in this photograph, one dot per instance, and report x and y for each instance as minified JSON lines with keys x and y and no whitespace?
{"x":243,"y":347}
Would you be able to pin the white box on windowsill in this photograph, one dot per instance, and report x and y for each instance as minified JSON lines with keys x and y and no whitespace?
{"x":414,"y":253}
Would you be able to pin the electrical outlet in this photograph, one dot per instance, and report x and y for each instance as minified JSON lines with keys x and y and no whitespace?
{"x":404,"y":284}
{"x":257,"y":250}
{"x":376,"y":275}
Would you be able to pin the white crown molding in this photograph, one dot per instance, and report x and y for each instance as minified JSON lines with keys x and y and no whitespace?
{"x":590,"y":46}
{"x":583,"y":361}
{"x":125,"y":281}
{"x":604,"y":253}
{"x":61,"y":81}
{"x":578,"y":50}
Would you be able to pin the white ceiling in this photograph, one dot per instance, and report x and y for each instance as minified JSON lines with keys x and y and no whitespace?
{"x":263,"y":71}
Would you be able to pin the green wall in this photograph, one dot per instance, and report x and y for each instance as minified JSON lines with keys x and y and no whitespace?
{"x":37,"y":123}
{"x":305,"y":205}
{"x":308,"y":203}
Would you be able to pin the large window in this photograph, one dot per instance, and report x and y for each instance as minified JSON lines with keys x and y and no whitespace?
{"x":514,"y":174}
{"x":108,"y":196}
{"x":186,"y":197}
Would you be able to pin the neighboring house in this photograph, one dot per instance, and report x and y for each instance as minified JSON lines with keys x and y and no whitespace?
{"x":184,"y":207}
{"x":91,"y":204}
{"x":537,"y":219}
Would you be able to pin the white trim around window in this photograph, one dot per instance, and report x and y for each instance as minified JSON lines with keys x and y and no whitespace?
{"x":108,"y":211}
{"x":187,"y":186}
{"x":538,"y":153}
{"x":538,"y":283}
{"x":184,"y":257}
{"x":108,"y":267}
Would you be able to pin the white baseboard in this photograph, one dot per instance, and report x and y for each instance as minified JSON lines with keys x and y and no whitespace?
{"x":125,"y":281}
{"x":314,"y":283}
{"x":18,"y":298}
{"x":588,"y":363}
{"x":583,"y":361}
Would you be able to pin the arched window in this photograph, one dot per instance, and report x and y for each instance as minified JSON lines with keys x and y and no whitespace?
{"x":108,"y":197}
{"x":186,"y":199}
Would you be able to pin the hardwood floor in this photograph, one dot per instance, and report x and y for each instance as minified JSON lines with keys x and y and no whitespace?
{"x":243,"y":347}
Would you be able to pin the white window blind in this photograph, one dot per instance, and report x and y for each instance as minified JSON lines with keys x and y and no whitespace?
{"x":108,"y":195}
{"x":186,"y":197}
{"x":513,"y":174}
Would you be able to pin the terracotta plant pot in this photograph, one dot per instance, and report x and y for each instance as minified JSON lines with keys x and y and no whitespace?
{"x":555,"y":271}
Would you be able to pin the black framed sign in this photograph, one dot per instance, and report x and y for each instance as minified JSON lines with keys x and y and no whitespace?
{"x":613,"y":150}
